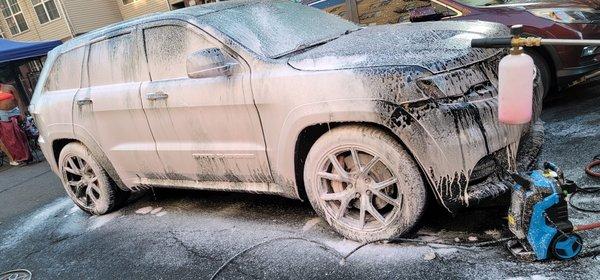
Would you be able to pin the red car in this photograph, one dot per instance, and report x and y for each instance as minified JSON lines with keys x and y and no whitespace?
{"x":559,"y":65}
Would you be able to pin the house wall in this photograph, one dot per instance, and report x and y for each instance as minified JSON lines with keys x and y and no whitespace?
{"x":142,"y":7}
{"x":83,"y":16}
{"x":53,"y":30}
{"x":86,"y":15}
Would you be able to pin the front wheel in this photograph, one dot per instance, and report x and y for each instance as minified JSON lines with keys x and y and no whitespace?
{"x":364,"y":183}
{"x":86,"y":182}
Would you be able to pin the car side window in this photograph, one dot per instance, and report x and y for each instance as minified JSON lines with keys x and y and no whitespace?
{"x":167,"y":49}
{"x":114,"y":61}
{"x":66,"y":71}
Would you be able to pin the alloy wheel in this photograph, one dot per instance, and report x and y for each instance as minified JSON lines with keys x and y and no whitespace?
{"x":82,"y":182}
{"x":358,"y":188}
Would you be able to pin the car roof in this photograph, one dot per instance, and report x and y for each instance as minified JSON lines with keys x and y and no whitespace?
{"x":185,"y":14}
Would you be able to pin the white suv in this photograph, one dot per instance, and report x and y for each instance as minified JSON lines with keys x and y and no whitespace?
{"x":275,"y":97}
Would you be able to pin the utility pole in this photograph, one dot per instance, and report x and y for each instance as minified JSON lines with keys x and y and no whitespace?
{"x":352,"y":10}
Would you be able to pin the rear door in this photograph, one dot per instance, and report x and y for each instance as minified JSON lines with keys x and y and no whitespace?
{"x":206,"y":129}
{"x":108,"y":109}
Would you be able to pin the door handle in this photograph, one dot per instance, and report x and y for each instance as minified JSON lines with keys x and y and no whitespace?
{"x":159,"y":95}
{"x":85,"y":101}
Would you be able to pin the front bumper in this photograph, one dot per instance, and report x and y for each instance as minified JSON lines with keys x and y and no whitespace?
{"x":498,"y":182}
{"x":570,"y":75}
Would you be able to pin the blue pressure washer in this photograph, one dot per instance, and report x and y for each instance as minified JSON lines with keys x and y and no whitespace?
{"x":539,"y":216}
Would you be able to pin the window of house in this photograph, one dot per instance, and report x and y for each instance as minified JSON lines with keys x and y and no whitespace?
{"x":125,"y":2}
{"x":46,"y":10}
{"x":167,"y":49}
{"x":14,"y":16}
{"x":66,"y":71}
{"x":114,"y":61}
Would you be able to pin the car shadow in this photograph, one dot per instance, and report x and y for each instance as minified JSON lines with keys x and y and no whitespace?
{"x":484,"y":223}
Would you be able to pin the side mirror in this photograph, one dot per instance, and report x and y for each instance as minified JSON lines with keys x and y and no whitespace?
{"x":425,"y":14}
{"x":209,"y":63}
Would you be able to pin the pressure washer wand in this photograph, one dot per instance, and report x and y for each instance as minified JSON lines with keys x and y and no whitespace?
{"x":517,"y":41}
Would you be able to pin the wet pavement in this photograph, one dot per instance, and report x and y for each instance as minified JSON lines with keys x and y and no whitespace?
{"x":174,"y":234}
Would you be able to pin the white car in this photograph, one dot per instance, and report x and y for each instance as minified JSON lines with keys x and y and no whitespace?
{"x":279,"y":98}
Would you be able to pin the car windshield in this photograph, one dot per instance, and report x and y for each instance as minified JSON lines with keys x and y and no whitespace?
{"x":274,"y":29}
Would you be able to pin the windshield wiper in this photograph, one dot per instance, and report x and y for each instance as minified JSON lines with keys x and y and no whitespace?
{"x":313,"y":45}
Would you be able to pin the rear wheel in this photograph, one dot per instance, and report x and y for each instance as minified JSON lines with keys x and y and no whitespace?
{"x":86,"y":182}
{"x":364,"y":184}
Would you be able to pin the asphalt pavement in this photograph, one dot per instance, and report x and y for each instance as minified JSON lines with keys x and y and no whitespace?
{"x":175,"y":234}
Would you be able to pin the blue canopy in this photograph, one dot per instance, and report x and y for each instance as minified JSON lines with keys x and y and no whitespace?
{"x":14,"y":50}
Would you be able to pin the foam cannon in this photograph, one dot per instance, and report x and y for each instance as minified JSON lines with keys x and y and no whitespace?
{"x":516,"y":73}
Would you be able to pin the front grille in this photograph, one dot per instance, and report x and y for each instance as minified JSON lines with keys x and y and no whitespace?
{"x":455,"y":83}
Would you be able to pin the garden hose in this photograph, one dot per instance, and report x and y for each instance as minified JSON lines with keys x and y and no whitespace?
{"x":589,"y":169}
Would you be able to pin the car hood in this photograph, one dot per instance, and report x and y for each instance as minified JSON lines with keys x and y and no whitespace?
{"x":435,"y":46}
{"x":541,"y":4}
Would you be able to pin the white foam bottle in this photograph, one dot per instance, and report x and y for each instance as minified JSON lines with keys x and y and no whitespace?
{"x":516,"y":75}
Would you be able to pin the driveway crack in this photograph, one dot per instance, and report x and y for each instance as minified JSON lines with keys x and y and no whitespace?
{"x":190,"y":249}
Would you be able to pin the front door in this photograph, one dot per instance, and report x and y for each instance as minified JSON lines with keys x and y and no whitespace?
{"x":206,"y":129}
{"x":108,"y":109}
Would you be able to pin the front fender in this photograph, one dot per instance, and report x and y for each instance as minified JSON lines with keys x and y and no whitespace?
{"x":372,"y":111}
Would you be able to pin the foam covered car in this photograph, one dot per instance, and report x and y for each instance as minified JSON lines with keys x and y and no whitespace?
{"x":273,"y":97}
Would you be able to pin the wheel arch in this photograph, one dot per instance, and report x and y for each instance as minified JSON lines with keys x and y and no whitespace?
{"x":550,"y":58}
{"x":310,"y":134}
{"x":548,"y":53}
{"x":59,"y":144}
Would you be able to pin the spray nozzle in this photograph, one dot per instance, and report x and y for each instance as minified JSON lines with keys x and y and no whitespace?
{"x":516,"y":30}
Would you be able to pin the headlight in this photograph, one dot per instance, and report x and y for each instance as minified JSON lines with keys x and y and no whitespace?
{"x":569,"y":15}
{"x":590,"y":50}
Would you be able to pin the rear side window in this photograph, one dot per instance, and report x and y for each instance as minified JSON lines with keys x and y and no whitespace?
{"x":114,"y":61}
{"x":167,"y":49}
{"x":66,"y":71}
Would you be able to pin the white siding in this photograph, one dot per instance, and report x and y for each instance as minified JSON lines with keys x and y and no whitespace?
{"x":57,"y":29}
{"x":86,"y":15}
{"x":142,"y":7}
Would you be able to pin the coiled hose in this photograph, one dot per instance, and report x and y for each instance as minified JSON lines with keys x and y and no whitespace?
{"x":590,"y":168}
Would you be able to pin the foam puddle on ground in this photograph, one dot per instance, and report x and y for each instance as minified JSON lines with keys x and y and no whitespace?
{"x":98,"y":221}
{"x":27,"y":226}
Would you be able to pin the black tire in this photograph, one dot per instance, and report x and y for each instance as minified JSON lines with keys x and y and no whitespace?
{"x":371,"y":212}
{"x":543,"y":69}
{"x":87,"y":183}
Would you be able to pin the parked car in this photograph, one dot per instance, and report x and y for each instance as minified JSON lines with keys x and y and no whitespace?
{"x":279,"y":98}
{"x":559,"y":66}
